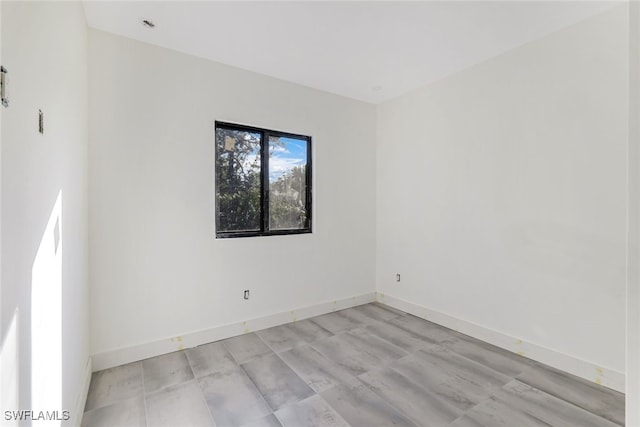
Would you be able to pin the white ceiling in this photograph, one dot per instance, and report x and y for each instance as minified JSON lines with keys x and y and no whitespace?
{"x":371,"y":51}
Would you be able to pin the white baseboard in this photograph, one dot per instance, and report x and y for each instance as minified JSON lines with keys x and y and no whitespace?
{"x":121,"y":356}
{"x":81,"y":400}
{"x":581,"y":368}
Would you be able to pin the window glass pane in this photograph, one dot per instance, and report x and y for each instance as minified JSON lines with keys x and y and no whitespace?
{"x":238,"y":180}
{"x":287,"y":183}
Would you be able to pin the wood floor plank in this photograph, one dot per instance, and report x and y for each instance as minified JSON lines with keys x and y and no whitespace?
{"x":277,"y":382}
{"x":550,"y":409}
{"x":359,"y":406}
{"x":420,"y":405}
{"x":599,"y":400}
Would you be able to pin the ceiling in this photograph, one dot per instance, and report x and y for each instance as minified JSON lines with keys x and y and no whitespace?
{"x":370,"y":51}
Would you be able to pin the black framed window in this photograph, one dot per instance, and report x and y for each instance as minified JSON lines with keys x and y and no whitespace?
{"x":263,"y":181}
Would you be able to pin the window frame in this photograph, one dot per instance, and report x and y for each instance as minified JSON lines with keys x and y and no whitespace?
{"x":265,"y":134}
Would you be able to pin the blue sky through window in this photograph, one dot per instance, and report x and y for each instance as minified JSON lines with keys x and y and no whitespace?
{"x":286,"y":155}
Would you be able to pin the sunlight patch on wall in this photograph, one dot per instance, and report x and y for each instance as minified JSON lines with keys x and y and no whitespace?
{"x":46,"y":319}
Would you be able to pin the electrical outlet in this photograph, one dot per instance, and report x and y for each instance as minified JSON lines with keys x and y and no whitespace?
{"x":246,"y":294}
{"x":397,"y":277}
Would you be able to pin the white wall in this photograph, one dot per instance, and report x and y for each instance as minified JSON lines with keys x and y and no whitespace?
{"x":633,"y":263}
{"x":501,"y":193}
{"x":44,"y":47}
{"x":157,"y":271}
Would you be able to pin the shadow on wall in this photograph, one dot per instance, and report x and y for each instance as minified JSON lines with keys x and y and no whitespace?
{"x":9,"y":369}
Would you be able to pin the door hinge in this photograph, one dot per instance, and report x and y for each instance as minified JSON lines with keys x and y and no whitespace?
{"x":3,"y":86}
